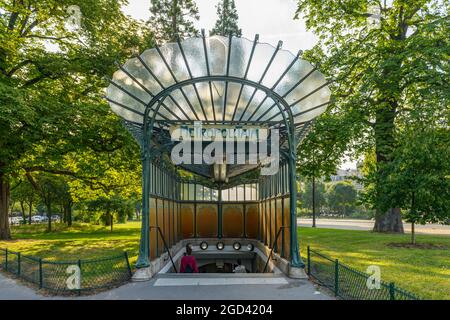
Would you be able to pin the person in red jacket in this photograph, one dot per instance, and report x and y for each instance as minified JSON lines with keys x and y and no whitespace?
{"x":188,"y":262}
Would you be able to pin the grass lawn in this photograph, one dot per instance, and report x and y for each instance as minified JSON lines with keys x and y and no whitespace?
{"x":425,"y":272}
{"x":81,"y":241}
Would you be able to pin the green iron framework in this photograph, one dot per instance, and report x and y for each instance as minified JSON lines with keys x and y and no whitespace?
{"x":95,"y":274}
{"x":348,"y":283}
{"x":218,"y":81}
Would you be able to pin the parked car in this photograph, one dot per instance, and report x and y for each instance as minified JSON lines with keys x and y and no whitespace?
{"x":36,"y":219}
{"x":55,"y":218}
{"x":16,"y":220}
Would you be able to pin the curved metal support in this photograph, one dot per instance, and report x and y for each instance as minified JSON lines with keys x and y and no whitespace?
{"x":144,"y":245}
{"x":270,"y":93}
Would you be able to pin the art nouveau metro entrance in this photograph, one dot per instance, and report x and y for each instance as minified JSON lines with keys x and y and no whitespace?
{"x":221,"y":83}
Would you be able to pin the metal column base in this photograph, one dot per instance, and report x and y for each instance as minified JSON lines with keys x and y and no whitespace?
{"x":143,"y":274}
{"x":297,"y":273}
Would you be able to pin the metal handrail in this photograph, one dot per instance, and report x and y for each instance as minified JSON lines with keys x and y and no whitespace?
{"x":273,"y":245}
{"x":165,"y":246}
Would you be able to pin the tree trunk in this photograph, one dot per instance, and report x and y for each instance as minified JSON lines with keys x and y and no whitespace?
{"x":413,"y":233}
{"x":22,"y":207}
{"x":314,"y":201}
{"x":69,"y":215}
{"x":64,"y":213}
{"x":49,"y":216}
{"x":5,"y":233}
{"x":30,"y":208}
{"x":390,"y":221}
{"x":174,"y":21}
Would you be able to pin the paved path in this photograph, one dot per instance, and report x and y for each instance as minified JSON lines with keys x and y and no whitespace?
{"x":212,"y":287}
{"x":349,"y":224}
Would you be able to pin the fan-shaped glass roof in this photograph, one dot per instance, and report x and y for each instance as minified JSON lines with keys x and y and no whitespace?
{"x":219,"y":80}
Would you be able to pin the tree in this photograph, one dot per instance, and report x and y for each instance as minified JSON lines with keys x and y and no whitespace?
{"x":227,"y":21}
{"x":341,"y":198}
{"x":382,"y":73}
{"x":49,"y":188}
{"x":48,"y":72}
{"x":418,"y":178}
{"x":306,"y":195}
{"x":26,"y":195}
{"x":173,"y":18}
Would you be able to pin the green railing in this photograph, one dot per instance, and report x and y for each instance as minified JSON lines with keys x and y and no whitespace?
{"x":68,"y":277}
{"x":348,"y":283}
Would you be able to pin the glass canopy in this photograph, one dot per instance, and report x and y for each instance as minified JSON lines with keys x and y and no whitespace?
{"x":219,"y":80}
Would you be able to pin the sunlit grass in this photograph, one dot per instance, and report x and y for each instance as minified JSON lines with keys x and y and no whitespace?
{"x":425,"y":272}
{"x":81,"y":241}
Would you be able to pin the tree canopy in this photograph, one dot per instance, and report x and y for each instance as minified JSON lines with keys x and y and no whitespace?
{"x":385,"y":74}
{"x":227,"y":19}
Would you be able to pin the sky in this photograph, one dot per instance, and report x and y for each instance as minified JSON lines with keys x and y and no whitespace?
{"x":273,"y":20}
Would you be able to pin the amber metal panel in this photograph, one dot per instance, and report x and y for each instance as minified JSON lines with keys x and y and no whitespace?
{"x":175,"y":221}
{"x":166,"y":223}
{"x":172,"y":223}
{"x":232,"y":220}
{"x":279,"y":223}
{"x":187,"y":220}
{"x":207,"y":215}
{"x":273,"y":230}
{"x":160,"y":223}
{"x":153,"y":232}
{"x":287,"y":223}
{"x":260,"y":220}
{"x":265,"y":221}
{"x":251,"y":220}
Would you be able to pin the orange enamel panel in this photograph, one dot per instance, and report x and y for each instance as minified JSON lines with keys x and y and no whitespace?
{"x":272,"y":222}
{"x":160,"y":223}
{"x":207,"y":218}
{"x":232,"y":221}
{"x":251,"y":220}
{"x":279,"y":222}
{"x":287,"y":223}
{"x":187,"y":220}
{"x":153,"y":232}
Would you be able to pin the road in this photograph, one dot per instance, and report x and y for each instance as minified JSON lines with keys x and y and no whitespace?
{"x":350,"y":224}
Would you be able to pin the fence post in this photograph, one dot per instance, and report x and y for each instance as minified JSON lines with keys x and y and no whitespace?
{"x":40,"y":273}
{"x":309,"y":261}
{"x":392,"y":291}
{"x":18,"y":263}
{"x":128,"y":263}
{"x":6,"y":259}
{"x":79,"y":266}
{"x":336,"y":278}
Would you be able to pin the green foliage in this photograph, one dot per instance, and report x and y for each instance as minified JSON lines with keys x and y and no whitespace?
{"x":227,"y":21}
{"x":320,"y":196}
{"x":342,"y":198}
{"x":387,"y":76}
{"x":170,"y":19}
{"x":53,"y":117}
{"x":418,"y":178}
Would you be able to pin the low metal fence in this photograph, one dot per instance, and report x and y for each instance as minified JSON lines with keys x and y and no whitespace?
{"x":348,"y":283}
{"x":68,"y":277}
